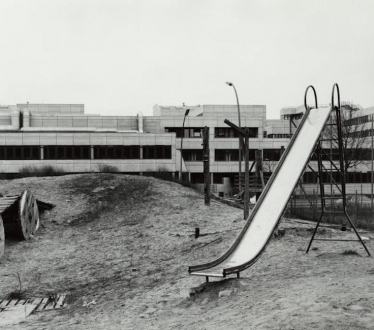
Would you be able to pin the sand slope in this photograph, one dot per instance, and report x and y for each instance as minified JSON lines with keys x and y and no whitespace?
{"x":122,"y":244}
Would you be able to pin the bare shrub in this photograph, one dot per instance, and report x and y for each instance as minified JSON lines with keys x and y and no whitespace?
{"x":162,"y":172}
{"x":45,"y":170}
{"x":18,"y":292}
{"x":105,"y":168}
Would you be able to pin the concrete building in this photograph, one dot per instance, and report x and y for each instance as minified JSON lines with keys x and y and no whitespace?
{"x":63,"y":135}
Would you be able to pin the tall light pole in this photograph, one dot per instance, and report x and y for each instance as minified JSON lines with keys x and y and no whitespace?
{"x":180,"y":168}
{"x":240,"y":139}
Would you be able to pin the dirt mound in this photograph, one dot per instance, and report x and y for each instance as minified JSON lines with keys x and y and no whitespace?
{"x":120,"y":246}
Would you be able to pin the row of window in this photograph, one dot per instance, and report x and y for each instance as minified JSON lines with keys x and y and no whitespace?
{"x":356,"y":154}
{"x":230,"y":155}
{"x":351,"y":177}
{"x":155,"y":152}
{"x":219,"y":132}
{"x":357,"y":120}
{"x":308,"y":177}
{"x":84,"y":152}
{"x":227,"y":155}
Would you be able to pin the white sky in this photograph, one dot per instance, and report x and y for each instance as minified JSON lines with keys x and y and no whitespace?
{"x":119,"y":57}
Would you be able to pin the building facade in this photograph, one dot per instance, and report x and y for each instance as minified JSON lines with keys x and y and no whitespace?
{"x":64,"y":136}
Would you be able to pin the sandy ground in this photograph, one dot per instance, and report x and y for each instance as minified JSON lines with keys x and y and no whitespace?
{"x":123,"y":244}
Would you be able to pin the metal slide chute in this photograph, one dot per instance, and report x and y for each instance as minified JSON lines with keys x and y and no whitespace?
{"x":265,"y":216}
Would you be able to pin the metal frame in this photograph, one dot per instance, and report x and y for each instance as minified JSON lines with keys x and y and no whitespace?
{"x":238,"y":269}
{"x":322,"y":169}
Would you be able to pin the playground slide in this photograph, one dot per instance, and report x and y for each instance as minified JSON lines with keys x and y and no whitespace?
{"x":265,"y":216}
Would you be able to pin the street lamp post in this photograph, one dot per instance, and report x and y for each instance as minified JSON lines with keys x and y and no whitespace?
{"x":240,"y":139}
{"x":180,"y":168}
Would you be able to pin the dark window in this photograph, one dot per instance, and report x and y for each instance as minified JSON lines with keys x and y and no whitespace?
{"x":272,"y":154}
{"x":19,"y":152}
{"x":309,"y":177}
{"x":131,"y":152}
{"x":197,"y":178}
{"x":156,"y":152}
{"x":189,"y":132}
{"x":148,"y":152}
{"x":116,"y":152}
{"x":228,"y":132}
{"x":67,"y":152}
{"x":230,"y":155}
{"x":9,"y":153}
{"x":221,"y":155}
{"x":193,"y":155}
{"x":218,"y":177}
{"x":61,"y":153}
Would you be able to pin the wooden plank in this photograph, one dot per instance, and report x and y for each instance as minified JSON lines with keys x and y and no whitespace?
{"x":13,"y":302}
{"x":50,"y":305}
{"x":36,"y":301}
{"x":61,"y":300}
{"x":21,"y":302}
{"x":4,"y":303}
{"x":42,"y":305}
{"x":15,"y":314}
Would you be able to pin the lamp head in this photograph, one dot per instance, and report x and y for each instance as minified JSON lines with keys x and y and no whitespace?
{"x":229,"y":83}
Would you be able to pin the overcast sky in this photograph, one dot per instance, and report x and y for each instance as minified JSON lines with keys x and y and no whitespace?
{"x":119,"y":57}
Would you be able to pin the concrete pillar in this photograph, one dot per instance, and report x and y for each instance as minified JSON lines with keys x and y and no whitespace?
{"x":140,"y":122}
{"x":26,"y":118}
{"x":41,"y":152}
{"x":92,"y":152}
{"x":15,"y":119}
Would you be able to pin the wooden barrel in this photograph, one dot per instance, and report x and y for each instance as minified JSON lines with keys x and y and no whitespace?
{"x":21,"y":215}
{"x":2,"y":238}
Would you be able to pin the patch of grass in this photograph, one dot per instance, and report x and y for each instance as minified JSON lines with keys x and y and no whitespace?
{"x":39,"y":171}
{"x":350,"y":253}
{"x":97,"y":209}
{"x":105,"y":168}
{"x":162,"y":172}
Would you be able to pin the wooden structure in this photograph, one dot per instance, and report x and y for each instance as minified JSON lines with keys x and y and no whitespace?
{"x":19,"y":217}
{"x":243,"y":134}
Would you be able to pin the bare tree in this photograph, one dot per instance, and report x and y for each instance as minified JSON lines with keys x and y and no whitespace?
{"x":354,"y":135}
